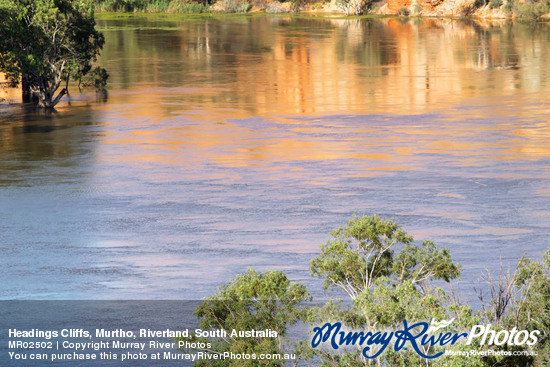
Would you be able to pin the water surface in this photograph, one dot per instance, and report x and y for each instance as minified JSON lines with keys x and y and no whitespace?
{"x":233,"y":142}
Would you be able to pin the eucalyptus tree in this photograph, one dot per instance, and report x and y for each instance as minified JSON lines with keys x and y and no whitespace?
{"x":267,"y":302}
{"x":388,"y":279}
{"x":46,"y":43}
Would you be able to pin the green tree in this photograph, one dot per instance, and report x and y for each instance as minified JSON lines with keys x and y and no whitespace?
{"x":365,"y":250}
{"x":252,"y":301}
{"x":46,"y":42}
{"x":388,"y":279}
{"x":521,"y":300}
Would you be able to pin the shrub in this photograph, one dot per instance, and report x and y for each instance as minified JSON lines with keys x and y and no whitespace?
{"x":508,"y":6}
{"x":98,"y":78}
{"x":466,"y":9}
{"x":153,"y":6}
{"x":531,"y":12}
{"x":122,"y":5}
{"x":403,"y":12}
{"x":274,"y":8}
{"x":317,"y":6}
{"x":259,"y":300}
{"x":352,"y":7}
{"x":260,"y":4}
{"x":296,"y":5}
{"x":158,"y":6}
{"x":494,"y":4}
{"x":234,"y":6}
{"x":184,"y":7}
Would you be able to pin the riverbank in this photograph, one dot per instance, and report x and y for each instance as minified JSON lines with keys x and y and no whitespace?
{"x":523,"y":10}
{"x":8,"y":93}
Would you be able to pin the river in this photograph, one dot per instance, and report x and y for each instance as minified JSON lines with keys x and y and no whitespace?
{"x":229,"y":142}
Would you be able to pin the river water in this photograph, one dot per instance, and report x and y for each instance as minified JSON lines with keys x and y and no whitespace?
{"x":229,"y":142}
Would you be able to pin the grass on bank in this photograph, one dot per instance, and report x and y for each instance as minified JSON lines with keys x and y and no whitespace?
{"x":173,"y":6}
{"x":151,"y":6}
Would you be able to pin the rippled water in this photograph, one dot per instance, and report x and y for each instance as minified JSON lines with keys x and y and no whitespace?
{"x":233,"y":142}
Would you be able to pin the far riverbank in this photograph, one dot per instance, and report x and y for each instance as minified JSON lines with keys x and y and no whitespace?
{"x":523,"y":10}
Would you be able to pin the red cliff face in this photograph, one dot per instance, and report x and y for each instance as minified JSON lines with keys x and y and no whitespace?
{"x":428,"y":5}
{"x":395,"y":5}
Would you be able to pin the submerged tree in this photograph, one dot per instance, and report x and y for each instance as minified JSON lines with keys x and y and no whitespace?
{"x":47,"y":42}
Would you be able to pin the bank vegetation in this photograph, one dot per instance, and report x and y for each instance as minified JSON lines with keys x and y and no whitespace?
{"x":523,"y":10}
{"x":381,"y":278}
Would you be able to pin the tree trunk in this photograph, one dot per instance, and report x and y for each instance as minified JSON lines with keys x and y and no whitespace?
{"x":45,"y":98}
{"x":45,"y":90}
{"x":26,"y":89}
{"x":41,"y":89}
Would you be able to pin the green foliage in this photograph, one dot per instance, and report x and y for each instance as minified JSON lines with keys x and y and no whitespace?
{"x":387,"y":286}
{"x":296,"y":5}
{"x":96,"y":78}
{"x":234,"y":6}
{"x":358,"y":254}
{"x":527,"y":307}
{"x":364,"y":251}
{"x":153,"y":6}
{"x":525,"y":12}
{"x":531,"y":12}
{"x":48,"y":41}
{"x":251,"y":301}
{"x":159,"y":6}
{"x":508,"y":6}
{"x":479,"y":3}
{"x":468,"y":9}
{"x":123,"y":5}
{"x":387,"y":278}
{"x":185,"y":7}
{"x":532,"y":310}
{"x":389,"y":304}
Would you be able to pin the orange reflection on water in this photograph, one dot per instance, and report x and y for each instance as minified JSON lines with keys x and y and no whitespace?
{"x":260,"y":92}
